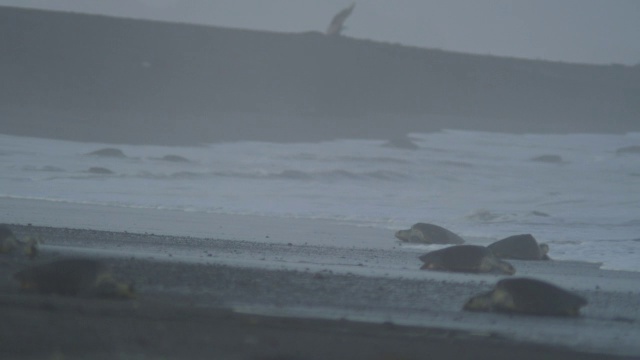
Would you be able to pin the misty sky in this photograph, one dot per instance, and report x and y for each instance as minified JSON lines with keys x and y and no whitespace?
{"x":588,"y":31}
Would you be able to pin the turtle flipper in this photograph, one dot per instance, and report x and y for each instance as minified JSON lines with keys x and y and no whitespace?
{"x":107,"y":287}
{"x":505,"y":267}
{"x":492,"y":264}
{"x":480,"y":302}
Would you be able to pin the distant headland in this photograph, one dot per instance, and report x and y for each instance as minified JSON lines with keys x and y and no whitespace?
{"x":97,"y":78}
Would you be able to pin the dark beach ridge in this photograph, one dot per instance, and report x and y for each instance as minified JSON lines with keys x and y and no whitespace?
{"x":103,"y":79}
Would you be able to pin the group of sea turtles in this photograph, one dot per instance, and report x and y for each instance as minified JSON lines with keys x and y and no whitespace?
{"x":91,"y":278}
{"x":67,"y":277}
{"x":517,"y":295}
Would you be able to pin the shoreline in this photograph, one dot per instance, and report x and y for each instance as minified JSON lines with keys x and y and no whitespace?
{"x":173,"y":273}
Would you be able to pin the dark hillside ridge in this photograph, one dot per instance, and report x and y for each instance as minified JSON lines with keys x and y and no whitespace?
{"x":98,"y":78}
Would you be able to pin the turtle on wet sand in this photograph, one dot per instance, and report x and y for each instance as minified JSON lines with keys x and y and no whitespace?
{"x":527,"y":296}
{"x":520,"y":247}
{"x":30,"y":246}
{"x":424,"y":233}
{"x":73,"y":277}
{"x":9,"y":244}
{"x":8,"y":241}
{"x":465,"y":258}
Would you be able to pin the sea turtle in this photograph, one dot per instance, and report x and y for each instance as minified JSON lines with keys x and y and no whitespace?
{"x":99,"y":170}
{"x":520,"y":247}
{"x":548,"y":158}
{"x":73,"y":277}
{"x":8,"y":241}
{"x":108,"y":152}
{"x":174,"y":158}
{"x":465,"y":258}
{"x":428,"y":234}
{"x":634,"y":149}
{"x":30,"y":246}
{"x":527,"y":296}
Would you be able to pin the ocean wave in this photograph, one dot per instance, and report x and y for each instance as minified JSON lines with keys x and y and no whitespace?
{"x":307,"y":157}
{"x":287,"y":174}
{"x":360,"y":182}
{"x":484,"y":215}
{"x":45,"y":168}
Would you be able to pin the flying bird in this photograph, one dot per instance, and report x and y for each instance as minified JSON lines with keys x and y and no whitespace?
{"x":337,"y":23}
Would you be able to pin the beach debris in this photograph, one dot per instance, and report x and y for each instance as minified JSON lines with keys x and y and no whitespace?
{"x":539,"y":213}
{"x":483,"y":215}
{"x":175,"y":158}
{"x":423,"y":233}
{"x":108,"y":152}
{"x":634,"y":149}
{"x":9,"y":244}
{"x":73,"y":277}
{"x":527,"y":296}
{"x":337,"y":23}
{"x":465,"y":258}
{"x":401,"y":142}
{"x":99,"y":170}
{"x":548,"y":158}
{"x":520,"y":247}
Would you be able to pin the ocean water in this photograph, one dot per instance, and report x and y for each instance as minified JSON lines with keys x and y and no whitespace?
{"x":585,"y":204}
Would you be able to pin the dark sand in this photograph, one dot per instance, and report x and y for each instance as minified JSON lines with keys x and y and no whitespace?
{"x":170,"y":328}
{"x":192,"y":305}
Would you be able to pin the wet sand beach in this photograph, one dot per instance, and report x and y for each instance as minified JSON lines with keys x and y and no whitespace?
{"x":258,"y":298}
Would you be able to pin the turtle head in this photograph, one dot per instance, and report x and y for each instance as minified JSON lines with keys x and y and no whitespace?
{"x":432,"y":261}
{"x":30,"y":247}
{"x":417,"y":236}
{"x":429,"y":266}
{"x":501,"y":298}
{"x":544,"y":249}
{"x":573,"y":311}
{"x":481,"y":302}
{"x":506,"y":267}
{"x":403,"y":235}
{"x":107,"y":287}
{"x":124,"y":291}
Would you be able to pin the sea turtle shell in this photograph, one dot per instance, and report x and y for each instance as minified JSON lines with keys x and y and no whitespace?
{"x":465,"y":258}
{"x":527,"y":296}
{"x":9,"y":244}
{"x":72,"y":277}
{"x":424,"y":233}
{"x":520,"y":247}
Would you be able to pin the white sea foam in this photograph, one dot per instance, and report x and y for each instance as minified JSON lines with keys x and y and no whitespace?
{"x":587,"y":206}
